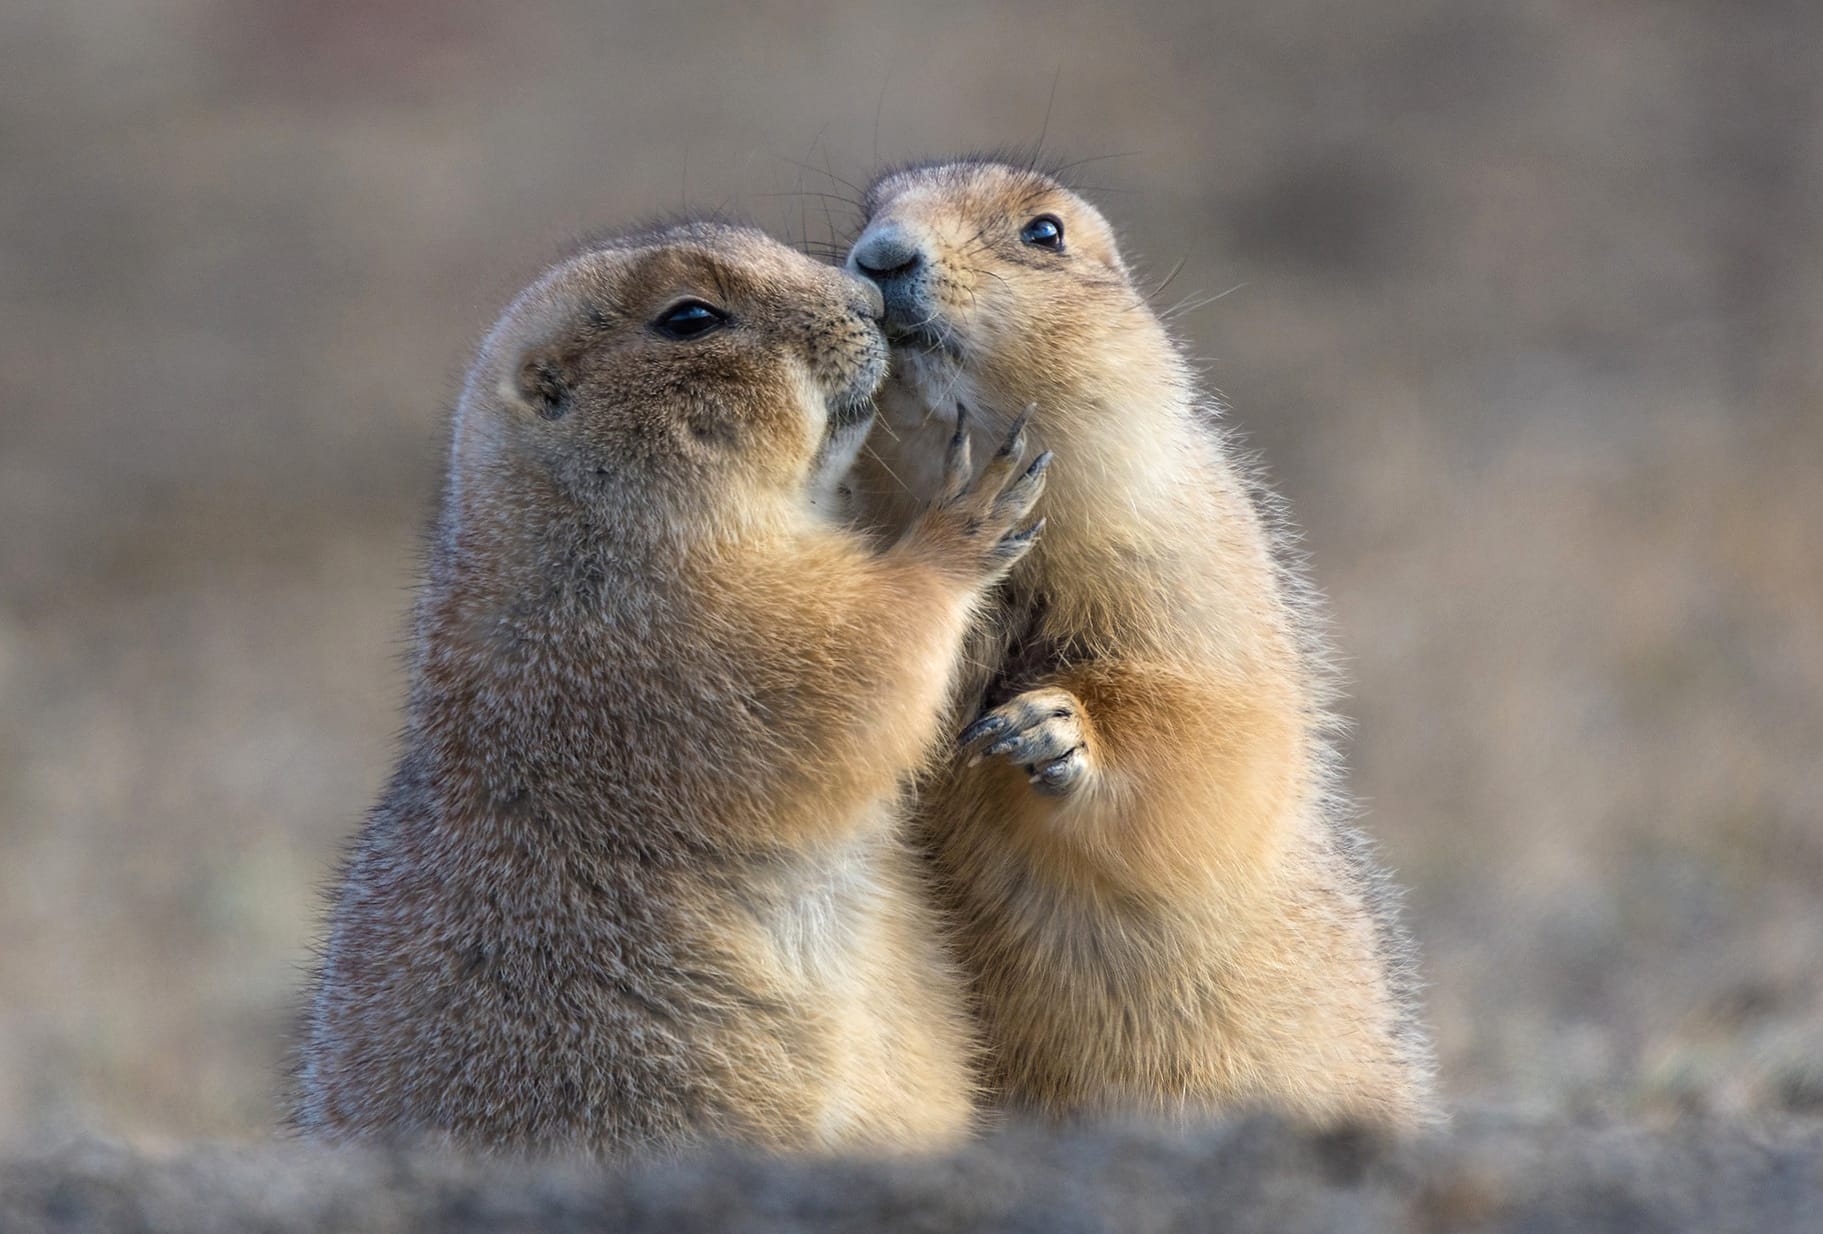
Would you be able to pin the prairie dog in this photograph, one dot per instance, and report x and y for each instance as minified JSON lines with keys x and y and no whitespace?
{"x":1160,"y":905}
{"x":639,"y":878}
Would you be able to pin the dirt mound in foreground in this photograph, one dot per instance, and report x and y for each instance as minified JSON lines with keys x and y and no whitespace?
{"x":1489,"y":1173}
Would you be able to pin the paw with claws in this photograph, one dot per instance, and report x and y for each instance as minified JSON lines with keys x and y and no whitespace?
{"x":977,"y":524}
{"x":1045,"y":732}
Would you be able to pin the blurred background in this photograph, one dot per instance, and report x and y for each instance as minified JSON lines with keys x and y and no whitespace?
{"x":1524,"y":308}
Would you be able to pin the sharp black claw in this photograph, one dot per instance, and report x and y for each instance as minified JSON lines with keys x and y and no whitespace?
{"x":1017,"y":431}
{"x":981,"y":728}
{"x":1038,"y":466}
{"x":1055,"y":774}
{"x":1019,"y":539}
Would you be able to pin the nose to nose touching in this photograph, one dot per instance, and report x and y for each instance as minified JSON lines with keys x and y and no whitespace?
{"x":866,"y":297}
{"x":886,"y":253}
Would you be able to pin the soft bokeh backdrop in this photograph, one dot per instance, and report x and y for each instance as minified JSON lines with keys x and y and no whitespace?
{"x":1524,"y":307}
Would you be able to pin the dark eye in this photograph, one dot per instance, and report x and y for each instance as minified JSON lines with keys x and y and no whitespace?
{"x":689,"y":319}
{"x":1045,"y":231}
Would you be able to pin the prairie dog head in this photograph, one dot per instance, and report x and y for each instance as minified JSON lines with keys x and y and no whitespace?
{"x":1002,"y":287}
{"x":693,"y":375}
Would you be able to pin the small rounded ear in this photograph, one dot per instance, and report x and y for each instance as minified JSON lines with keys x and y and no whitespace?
{"x":545,"y":382}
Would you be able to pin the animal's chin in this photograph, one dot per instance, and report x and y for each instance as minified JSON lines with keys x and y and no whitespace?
{"x":849,"y":410}
{"x":931,"y":374}
{"x":853,"y":401}
{"x":841,"y":444}
{"x":929,"y":337}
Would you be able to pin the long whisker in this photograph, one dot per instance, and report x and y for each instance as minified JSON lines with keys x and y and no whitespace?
{"x":1166,"y":281}
{"x":850,"y":185}
{"x":1093,"y":158}
{"x":884,"y":466}
{"x":880,"y":106}
{"x":813,"y":193}
{"x":1193,"y":303}
{"x":1044,"y":127}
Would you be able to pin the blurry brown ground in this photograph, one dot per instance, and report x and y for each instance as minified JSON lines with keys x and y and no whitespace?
{"x":1527,"y":318}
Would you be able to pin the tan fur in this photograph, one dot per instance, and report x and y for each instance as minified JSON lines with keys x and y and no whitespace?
{"x":1160,"y":906}
{"x":639,"y":880}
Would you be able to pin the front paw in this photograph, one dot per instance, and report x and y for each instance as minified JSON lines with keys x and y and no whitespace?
{"x":1044,"y":732}
{"x":974,"y":526}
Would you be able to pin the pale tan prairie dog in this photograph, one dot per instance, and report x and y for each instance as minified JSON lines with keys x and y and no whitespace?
{"x":639,"y":879}
{"x":1160,"y":904}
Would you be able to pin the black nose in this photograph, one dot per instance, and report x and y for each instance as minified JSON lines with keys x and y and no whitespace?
{"x":866,"y":298}
{"x":887,"y":255}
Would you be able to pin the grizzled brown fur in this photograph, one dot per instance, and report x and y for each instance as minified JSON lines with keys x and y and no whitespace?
{"x":638,"y":879}
{"x":1160,"y":904}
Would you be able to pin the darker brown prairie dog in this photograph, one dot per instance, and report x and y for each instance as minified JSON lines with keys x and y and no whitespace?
{"x":638,"y":879}
{"x":1160,"y":905}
